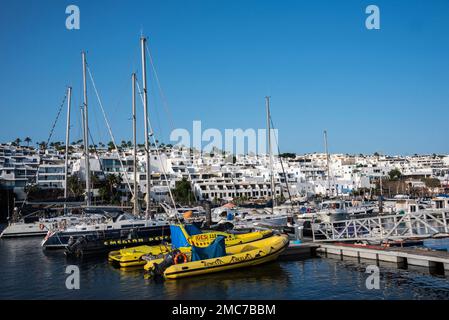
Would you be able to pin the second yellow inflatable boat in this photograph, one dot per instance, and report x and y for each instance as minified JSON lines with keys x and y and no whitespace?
{"x":239,"y":256}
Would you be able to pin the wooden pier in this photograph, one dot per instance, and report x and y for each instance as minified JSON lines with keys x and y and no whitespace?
{"x":401,"y":256}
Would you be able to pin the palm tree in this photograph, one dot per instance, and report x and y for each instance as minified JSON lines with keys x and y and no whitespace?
{"x":43,"y":145}
{"x":395,"y":174}
{"x":17,"y":142}
{"x":27,"y":140}
{"x":111,"y":146}
{"x":75,"y":186}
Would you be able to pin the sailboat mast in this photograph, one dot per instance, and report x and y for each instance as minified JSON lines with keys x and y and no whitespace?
{"x":147,"y":144}
{"x":273,"y":191}
{"x":86,"y":132}
{"x":327,"y":164}
{"x":67,"y":141}
{"x":136,"y":198}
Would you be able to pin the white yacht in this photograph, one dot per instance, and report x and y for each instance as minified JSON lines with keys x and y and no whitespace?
{"x":335,"y":210}
{"x":35,"y":226}
{"x":241,"y":217}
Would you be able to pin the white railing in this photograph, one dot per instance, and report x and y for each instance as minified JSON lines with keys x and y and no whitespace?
{"x":422,"y":224}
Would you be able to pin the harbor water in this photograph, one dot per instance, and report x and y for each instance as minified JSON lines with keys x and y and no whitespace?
{"x":30,"y":273}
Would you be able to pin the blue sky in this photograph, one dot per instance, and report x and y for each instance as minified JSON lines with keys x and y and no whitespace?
{"x":381,"y":90}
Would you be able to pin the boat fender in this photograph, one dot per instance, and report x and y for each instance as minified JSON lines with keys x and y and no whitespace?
{"x":180,"y":258}
{"x":41,"y":226}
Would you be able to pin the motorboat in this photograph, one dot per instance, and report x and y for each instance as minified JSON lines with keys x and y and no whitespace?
{"x":193,"y":236}
{"x":39,"y":226}
{"x":336,"y":210}
{"x":216,"y":258}
{"x":252,"y":218}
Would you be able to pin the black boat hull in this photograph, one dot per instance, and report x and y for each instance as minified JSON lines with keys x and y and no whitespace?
{"x":92,"y":242}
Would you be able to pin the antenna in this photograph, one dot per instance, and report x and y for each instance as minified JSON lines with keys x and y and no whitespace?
{"x":327,"y":162}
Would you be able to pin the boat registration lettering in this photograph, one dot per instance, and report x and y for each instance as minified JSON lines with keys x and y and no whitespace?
{"x":133,"y":241}
{"x":203,"y":237}
{"x":235,"y":259}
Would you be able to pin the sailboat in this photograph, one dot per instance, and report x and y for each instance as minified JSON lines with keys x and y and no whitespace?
{"x":274,"y":217}
{"x":116,"y":229}
{"x":38,"y":223}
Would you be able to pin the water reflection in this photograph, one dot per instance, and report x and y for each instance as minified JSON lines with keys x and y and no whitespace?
{"x":226,"y":285}
{"x":30,"y":273}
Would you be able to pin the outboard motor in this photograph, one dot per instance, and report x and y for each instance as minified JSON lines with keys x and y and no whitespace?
{"x":74,"y":248}
{"x":71,"y":242}
{"x":159,"y":268}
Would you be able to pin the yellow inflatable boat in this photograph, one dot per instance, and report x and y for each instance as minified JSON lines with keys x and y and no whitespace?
{"x":186,"y":236}
{"x":239,"y":256}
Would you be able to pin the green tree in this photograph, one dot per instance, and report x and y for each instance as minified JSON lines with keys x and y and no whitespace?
{"x":75,"y":186}
{"x":109,"y":189}
{"x":27,"y":140}
{"x":432,"y":182}
{"x":183,"y":191}
{"x":395,"y":174}
{"x":111,"y":146}
{"x":287,"y":155}
{"x":17,"y":142}
{"x":43,"y":145}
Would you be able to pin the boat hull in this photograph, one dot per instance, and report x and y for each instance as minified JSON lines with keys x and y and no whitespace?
{"x":241,"y":256}
{"x":104,"y":241}
{"x":132,"y":257}
{"x":19,"y":234}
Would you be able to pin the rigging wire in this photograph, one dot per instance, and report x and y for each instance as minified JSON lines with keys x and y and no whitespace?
{"x":165,"y":104}
{"x":157,"y":149}
{"x":44,"y":147}
{"x":280,"y":159}
{"x":161,"y":92}
{"x":56,"y":120}
{"x":110,"y":131}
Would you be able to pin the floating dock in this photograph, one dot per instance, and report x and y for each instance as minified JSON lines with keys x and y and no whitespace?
{"x":299,"y":251}
{"x":402,"y":256}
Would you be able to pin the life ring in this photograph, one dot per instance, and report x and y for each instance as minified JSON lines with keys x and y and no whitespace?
{"x":41,"y":226}
{"x":180,"y":254}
